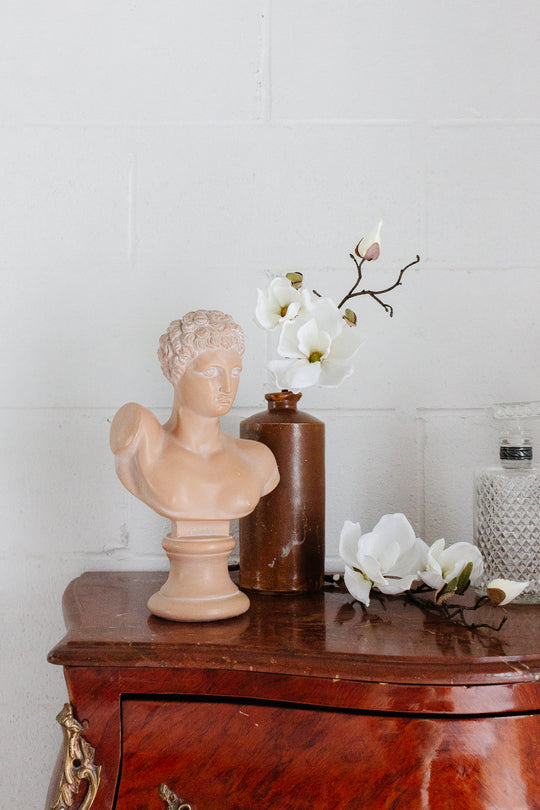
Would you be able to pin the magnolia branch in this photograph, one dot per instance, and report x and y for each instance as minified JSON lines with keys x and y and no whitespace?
{"x":375,"y":293}
{"x":451,"y":610}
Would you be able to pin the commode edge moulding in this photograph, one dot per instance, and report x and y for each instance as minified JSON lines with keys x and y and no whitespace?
{"x":191,"y":472}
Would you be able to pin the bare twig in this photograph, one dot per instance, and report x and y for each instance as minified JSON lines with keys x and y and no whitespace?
{"x":386,"y":307}
{"x":375,"y":293}
{"x":356,"y":283}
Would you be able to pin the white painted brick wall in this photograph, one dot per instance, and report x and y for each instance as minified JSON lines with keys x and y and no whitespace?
{"x":159,"y":157}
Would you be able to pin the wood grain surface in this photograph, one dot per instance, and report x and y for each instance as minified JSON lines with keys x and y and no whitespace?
{"x":252,"y":756}
{"x":322,"y":634}
{"x":306,"y":701}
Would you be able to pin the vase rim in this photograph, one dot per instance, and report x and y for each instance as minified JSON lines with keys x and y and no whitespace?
{"x":282,"y":399}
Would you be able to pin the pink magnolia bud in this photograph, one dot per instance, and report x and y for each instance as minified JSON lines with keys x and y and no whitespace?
{"x":369,"y":248}
{"x":373,"y":252}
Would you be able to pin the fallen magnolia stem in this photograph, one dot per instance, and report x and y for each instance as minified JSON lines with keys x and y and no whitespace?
{"x":450,"y":610}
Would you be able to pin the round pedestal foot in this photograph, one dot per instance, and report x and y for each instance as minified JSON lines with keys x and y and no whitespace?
{"x":198,"y":610}
{"x":199,"y":587}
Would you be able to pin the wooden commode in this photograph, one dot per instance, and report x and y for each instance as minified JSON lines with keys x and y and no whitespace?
{"x":302,"y":702}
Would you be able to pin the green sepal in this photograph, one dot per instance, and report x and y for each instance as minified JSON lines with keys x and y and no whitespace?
{"x":295,"y":279}
{"x":350,"y":317}
{"x":444,"y":592}
{"x":464,"y":579}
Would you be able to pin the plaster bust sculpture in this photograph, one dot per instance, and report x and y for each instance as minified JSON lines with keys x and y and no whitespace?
{"x":191,"y":472}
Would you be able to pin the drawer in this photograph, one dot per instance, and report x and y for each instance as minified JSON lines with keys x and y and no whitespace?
{"x":251,"y":755}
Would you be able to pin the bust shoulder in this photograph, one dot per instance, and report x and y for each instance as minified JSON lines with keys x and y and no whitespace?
{"x":131,"y":423}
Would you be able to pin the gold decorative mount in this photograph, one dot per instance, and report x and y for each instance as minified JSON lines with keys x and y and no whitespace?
{"x":78,"y":763}
{"x":173,"y":802}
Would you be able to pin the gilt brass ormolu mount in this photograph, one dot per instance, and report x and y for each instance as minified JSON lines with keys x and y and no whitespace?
{"x":173,"y":801}
{"x":77,"y":764}
{"x":190,"y":472}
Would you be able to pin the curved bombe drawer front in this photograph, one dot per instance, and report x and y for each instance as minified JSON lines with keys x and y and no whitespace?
{"x":258,"y":755}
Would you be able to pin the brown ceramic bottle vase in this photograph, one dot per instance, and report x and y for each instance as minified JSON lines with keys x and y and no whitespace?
{"x":282,"y":540}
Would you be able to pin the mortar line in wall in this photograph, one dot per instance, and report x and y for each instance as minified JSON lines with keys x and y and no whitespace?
{"x":131,"y":209}
{"x":82,"y":555}
{"x":424,"y":134}
{"x":465,"y":410}
{"x":258,"y":122}
{"x":420,"y":437}
{"x":483,"y":122}
{"x":255,"y":122}
{"x":211,"y":122}
{"x":472,"y":268}
{"x":334,"y":563}
{"x":411,"y":122}
{"x":333,"y":559}
{"x":266,"y":61}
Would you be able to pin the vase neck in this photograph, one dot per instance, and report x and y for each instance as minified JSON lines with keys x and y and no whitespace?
{"x":282,"y":400}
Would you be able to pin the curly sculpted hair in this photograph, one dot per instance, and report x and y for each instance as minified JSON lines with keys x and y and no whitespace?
{"x":195,"y":333}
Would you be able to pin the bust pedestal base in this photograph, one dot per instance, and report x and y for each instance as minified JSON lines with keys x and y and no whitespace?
{"x":199,"y":587}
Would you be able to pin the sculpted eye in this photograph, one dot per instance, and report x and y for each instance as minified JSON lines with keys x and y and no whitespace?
{"x":210,"y":372}
{"x":236,"y":371}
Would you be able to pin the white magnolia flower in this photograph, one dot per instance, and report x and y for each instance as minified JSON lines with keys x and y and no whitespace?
{"x":369,"y":247}
{"x":502,"y":591}
{"x":279,"y":302}
{"x":444,"y":564}
{"x":389,"y":557}
{"x":317,"y":346}
{"x":357,"y":584}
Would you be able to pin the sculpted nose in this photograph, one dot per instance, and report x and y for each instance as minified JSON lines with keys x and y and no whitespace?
{"x":226,"y":381}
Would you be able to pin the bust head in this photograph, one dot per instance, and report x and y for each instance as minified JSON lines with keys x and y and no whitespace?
{"x":196,"y":333}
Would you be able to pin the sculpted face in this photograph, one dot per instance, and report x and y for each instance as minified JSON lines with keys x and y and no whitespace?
{"x":209,"y":384}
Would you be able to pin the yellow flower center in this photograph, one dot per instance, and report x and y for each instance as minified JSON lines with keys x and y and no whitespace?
{"x":315,"y":357}
{"x":283,"y":311}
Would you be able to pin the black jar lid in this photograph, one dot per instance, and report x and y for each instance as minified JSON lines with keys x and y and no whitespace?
{"x":523,"y":453}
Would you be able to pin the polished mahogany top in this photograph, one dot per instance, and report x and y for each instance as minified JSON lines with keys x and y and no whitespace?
{"x":326,"y":635}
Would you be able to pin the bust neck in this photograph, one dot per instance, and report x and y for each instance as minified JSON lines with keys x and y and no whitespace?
{"x":198,"y":434}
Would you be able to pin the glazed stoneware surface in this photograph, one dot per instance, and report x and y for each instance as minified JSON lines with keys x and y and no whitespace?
{"x":282,"y":545}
